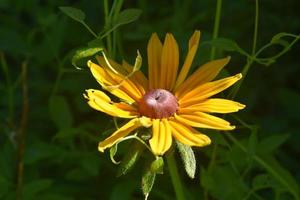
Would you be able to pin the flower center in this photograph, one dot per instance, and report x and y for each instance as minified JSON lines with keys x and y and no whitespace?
{"x":158,"y":104}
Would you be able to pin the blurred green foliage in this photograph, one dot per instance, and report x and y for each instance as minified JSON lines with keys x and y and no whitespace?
{"x":258,"y":160}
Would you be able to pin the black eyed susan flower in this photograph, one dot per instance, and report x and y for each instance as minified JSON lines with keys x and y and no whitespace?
{"x":168,"y":101}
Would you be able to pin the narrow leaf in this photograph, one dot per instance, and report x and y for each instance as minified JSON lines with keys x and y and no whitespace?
{"x":112,"y":152}
{"x":148,"y":182}
{"x":188,"y":159}
{"x":269,"y":144}
{"x":74,"y":13}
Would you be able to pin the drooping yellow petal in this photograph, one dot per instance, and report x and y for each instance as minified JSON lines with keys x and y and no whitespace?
{"x":119,"y":134}
{"x":207,"y":90}
{"x":187,"y":135}
{"x":213,"y":106}
{"x":104,"y":79}
{"x":161,"y":139}
{"x":115,"y":83}
{"x":204,"y":74}
{"x":154,"y":50}
{"x":169,"y":63}
{"x":101,"y":102}
{"x":203,"y":120}
{"x":138,"y":78}
{"x":121,"y":81}
{"x":193,"y":46}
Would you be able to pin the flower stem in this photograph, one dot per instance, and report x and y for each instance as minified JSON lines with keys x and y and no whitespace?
{"x":107,"y":25}
{"x":216,"y":27}
{"x":177,"y":185}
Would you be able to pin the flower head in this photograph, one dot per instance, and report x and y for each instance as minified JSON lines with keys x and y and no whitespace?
{"x":168,"y":101}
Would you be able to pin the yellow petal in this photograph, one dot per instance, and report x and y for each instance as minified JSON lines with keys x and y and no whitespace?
{"x":161,"y":140}
{"x":138,"y":78}
{"x":119,"y":134}
{"x":154,"y":50}
{"x":104,"y":79}
{"x":193,"y":46}
{"x":204,"y":74}
{"x":101,"y":102}
{"x":123,"y":83}
{"x":187,"y":135}
{"x":203,"y":120}
{"x":213,"y":106}
{"x":169,"y":63}
{"x":207,"y":90}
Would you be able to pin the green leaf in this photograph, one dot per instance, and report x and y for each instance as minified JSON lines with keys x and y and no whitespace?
{"x":127,"y":16}
{"x":60,"y":112}
{"x":269,"y":144}
{"x":226,"y":45}
{"x":148,"y":182}
{"x":136,"y":148}
{"x":5,"y":186}
{"x":84,"y":53}
{"x":188,"y":159}
{"x":157,"y":166}
{"x":74,"y":13}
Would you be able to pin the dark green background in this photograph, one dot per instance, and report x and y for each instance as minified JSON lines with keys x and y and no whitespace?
{"x":61,"y":160}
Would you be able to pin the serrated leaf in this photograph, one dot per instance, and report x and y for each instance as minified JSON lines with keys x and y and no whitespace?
{"x":157,"y":166}
{"x":74,"y":13}
{"x":60,"y":112}
{"x":188,"y":159}
{"x":148,"y":180}
{"x":133,"y":154}
{"x":84,"y":53}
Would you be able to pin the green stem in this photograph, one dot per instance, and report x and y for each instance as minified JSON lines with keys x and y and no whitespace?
{"x":107,"y":25}
{"x":90,"y":30}
{"x":177,"y":185}
{"x":216,"y":27}
{"x":250,"y":60}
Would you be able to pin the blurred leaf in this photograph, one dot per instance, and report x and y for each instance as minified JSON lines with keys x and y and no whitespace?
{"x":133,"y":154}
{"x":263,"y":181}
{"x":271,"y":143}
{"x":60,"y":112}
{"x":32,"y":189}
{"x":127,"y":16}
{"x":227,"y":45}
{"x":74,"y":13}
{"x":148,"y":182}
{"x":124,"y":190}
{"x":4,"y":186}
{"x":84,"y":53}
{"x":282,"y":175}
{"x":252,"y":144}
{"x":157,"y":166}
{"x":188,"y":159}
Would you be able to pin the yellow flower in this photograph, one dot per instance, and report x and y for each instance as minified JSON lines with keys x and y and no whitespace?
{"x":167,"y":101}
